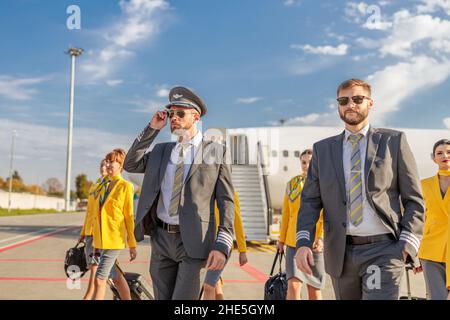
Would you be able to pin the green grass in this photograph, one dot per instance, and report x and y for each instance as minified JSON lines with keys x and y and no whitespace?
{"x":19,"y":212}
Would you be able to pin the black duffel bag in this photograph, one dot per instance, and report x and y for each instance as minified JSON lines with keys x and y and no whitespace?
{"x":276,"y":286}
{"x":75,"y":264}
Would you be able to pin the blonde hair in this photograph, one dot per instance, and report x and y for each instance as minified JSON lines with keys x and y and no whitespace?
{"x":352,"y":83}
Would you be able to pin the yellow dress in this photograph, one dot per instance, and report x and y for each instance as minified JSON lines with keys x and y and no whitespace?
{"x":113,"y":224}
{"x":238,"y":225}
{"x":291,"y":205}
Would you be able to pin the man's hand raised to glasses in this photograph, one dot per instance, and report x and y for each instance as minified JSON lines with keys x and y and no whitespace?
{"x":304,"y":259}
{"x":159,"y":120}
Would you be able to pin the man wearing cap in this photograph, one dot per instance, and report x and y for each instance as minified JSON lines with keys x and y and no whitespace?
{"x":182,"y":181}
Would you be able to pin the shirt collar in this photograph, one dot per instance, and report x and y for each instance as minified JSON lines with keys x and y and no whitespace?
{"x":194,"y":141}
{"x":364,"y":131}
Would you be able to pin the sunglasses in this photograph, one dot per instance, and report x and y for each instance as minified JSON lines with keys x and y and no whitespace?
{"x":179,"y":113}
{"x":343,"y":101}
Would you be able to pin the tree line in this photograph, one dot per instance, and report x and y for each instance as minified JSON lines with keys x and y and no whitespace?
{"x":51,"y":187}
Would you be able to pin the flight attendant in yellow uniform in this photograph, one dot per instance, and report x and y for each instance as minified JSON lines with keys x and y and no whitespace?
{"x":86,"y":232}
{"x":433,"y":248}
{"x":212,"y":287}
{"x":291,"y":205}
{"x":113,"y":225}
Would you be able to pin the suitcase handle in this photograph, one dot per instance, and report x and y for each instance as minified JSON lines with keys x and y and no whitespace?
{"x":116,"y":264}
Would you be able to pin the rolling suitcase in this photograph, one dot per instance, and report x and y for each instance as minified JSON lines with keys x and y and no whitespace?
{"x":139,"y":288}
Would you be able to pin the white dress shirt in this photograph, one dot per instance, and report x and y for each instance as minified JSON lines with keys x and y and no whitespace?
{"x":192,"y":147}
{"x":371,"y":223}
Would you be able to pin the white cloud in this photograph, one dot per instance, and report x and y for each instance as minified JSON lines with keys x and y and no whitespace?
{"x":355,"y":12}
{"x":163,"y":92}
{"x":340,"y":50}
{"x":395,"y":83}
{"x":440,"y":45}
{"x":40,"y":150}
{"x":339,"y":37}
{"x":290,"y":3}
{"x":377,"y":24}
{"x":430,"y":6}
{"x":368,"y":15}
{"x":313,"y":119}
{"x":14,"y":88}
{"x":447,"y":123}
{"x":113,"y":83}
{"x":147,"y":106}
{"x":248,"y":100}
{"x":364,"y":57}
{"x":384,"y":3}
{"x":420,"y":42}
{"x":409,"y":30}
{"x":139,"y":23}
{"x":302,"y":67}
{"x":367,"y":43}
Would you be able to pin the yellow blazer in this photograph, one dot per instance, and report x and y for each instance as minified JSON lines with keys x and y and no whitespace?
{"x":115,"y":217}
{"x":89,"y":217}
{"x":291,"y":205}
{"x":447,"y":263}
{"x":435,"y":230}
{"x":238,"y":225}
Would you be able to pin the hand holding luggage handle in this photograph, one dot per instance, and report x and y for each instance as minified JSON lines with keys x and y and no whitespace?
{"x":409,"y":296}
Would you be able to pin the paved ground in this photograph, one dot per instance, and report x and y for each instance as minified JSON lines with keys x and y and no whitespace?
{"x":32,"y":250}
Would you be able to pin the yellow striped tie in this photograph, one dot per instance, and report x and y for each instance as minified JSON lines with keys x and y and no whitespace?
{"x":355,"y":209}
{"x":177,"y":183}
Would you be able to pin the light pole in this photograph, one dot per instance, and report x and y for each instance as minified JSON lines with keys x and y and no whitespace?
{"x":13,"y":139}
{"x":73,"y":52}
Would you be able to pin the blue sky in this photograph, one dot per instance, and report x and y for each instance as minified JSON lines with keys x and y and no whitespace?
{"x":254,"y":62}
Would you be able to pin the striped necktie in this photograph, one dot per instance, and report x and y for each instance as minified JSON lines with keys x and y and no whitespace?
{"x":177,"y":183}
{"x":355,"y":184}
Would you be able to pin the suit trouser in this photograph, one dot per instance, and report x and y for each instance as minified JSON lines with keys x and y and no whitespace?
{"x":175,"y":275}
{"x":370,"y":272}
{"x":435,"y":279}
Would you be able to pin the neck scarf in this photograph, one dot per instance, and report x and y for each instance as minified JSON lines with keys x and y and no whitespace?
{"x":295,"y":187}
{"x":444,"y":173}
{"x":102,"y":188}
{"x":94,"y":186}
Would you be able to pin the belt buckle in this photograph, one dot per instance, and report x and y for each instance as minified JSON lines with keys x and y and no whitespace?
{"x":169,"y":230}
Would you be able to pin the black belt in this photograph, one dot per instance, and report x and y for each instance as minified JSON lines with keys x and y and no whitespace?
{"x":170,"y":228}
{"x":357,"y":240}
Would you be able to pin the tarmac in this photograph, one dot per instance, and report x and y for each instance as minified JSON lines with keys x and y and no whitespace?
{"x":32,"y":251}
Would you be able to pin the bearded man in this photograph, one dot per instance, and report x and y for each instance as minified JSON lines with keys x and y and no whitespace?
{"x":365,"y":180}
{"x":182,"y":182}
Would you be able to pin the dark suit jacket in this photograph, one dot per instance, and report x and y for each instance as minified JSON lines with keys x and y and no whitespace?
{"x":207,"y":181}
{"x":392,"y":184}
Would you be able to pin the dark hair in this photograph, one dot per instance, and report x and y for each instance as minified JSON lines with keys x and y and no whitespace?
{"x":307,"y":151}
{"x":439,"y":143}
